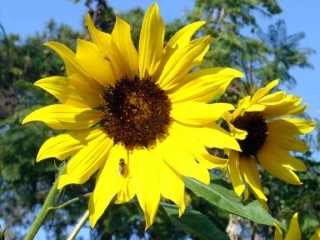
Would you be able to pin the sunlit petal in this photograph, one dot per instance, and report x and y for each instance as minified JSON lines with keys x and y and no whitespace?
{"x":151,"y":41}
{"x":108,"y":184}
{"x":86,"y":162}
{"x":121,"y":36}
{"x":294,"y":229}
{"x":60,"y":116}
{"x":251,"y":175}
{"x":67,"y":91}
{"x":146,"y":180}
{"x":235,"y":174}
{"x":68,"y":144}
{"x":198,"y":113}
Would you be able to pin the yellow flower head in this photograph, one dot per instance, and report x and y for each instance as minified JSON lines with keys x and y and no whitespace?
{"x":139,"y":117}
{"x":316,"y":235}
{"x":294,"y":232}
{"x":262,"y":133}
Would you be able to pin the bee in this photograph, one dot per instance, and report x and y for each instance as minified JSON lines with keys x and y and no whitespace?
{"x":122,"y":167}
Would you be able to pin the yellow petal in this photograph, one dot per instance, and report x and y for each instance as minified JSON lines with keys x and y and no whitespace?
{"x":235,"y":132}
{"x":269,"y":163}
{"x":273,"y":98}
{"x":291,"y":126}
{"x":198,"y":113}
{"x":182,"y":37}
{"x":87,"y":161}
{"x":67,"y":92}
{"x":108,"y":184}
{"x":255,"y":108}
{"x":283,"y":109}
{"x":181,"y":62}
{"x":67,"y":144}
{"x":282,"y":157}
{"x":151,"y":41}
{"x":181,"y":160}
{"x":250,"y":173}
{"x":210,"y":135}
{"x":288,"y":106}
{"x":60,"y":116}
{"x":127,"y":191}
{"x":118,"y":63}
{"x":199,"y":152}
{"x":146,"y":180}
{"x":121,"y":36}
{"x":243,"y":104}
{"x":101,"y":39}
{"x":278,"y":233}
{"x":294,"y":229}
{"x":235,"y":174}
{"x":94,"y":62}
{"x":203,"y":85}
{"x":75,"y":70}
{"x":287,"y":142}
{"x":316,"y":236}
{"x":263,"y":91}
{"x":171,"y":184}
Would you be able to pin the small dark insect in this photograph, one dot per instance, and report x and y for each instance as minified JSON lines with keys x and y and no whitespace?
{"x":122,"y":167}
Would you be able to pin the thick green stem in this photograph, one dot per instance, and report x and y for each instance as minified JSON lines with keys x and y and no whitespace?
{"x":43,"y":212}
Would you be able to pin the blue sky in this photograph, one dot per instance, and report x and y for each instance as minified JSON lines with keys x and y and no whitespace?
{"x":25,"y":17}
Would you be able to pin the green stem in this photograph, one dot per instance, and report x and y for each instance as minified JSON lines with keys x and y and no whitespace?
{"x":69,"y":202}
{"x":79,"y":225}
{"x":44,"y":211}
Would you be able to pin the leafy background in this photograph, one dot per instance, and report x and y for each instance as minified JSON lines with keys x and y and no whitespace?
{"x":238,"y":41}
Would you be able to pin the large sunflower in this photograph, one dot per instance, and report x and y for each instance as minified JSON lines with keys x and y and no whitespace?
{"x":265,"y":136}
{"x":140,"y":118}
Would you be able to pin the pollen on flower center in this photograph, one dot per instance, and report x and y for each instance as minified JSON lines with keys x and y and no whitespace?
{"x":257,"y":129}
{"x":135,"y":111}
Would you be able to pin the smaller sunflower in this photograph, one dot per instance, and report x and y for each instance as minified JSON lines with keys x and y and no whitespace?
{"x":265,"y":136}
{"x":316,"y":235}
{"x":294,"y":232}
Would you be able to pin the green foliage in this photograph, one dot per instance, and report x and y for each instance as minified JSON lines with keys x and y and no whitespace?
{"x":262,"y":61}
{"x":193,"y":222}
{"x":24,"y":184}
{"x":222,"y":195}
{"x":284,"y":53}
{"x":102,"y":15}
{"x":2,"y":232}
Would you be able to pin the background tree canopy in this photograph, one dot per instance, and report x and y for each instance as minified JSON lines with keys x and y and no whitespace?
{"x":262,"y":58}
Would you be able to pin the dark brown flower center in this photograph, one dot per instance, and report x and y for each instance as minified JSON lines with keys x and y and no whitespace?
{"x":135,"y":111}
{"x":257,"y":129}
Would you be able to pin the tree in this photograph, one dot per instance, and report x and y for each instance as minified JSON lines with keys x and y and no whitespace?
{"x":284,"y":54}
{"x":24,"y":184}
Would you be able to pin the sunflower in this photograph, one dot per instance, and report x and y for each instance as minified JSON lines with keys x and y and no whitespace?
{"x":294,"y":232}
{"x":264,"y":135}
{"x":139,"y":118}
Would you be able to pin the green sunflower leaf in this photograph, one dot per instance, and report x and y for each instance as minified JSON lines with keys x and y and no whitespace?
{"x":221,"y":194}
{"x":193,"y":222}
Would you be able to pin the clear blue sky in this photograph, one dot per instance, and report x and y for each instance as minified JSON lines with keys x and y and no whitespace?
{"x":25,"y":17}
